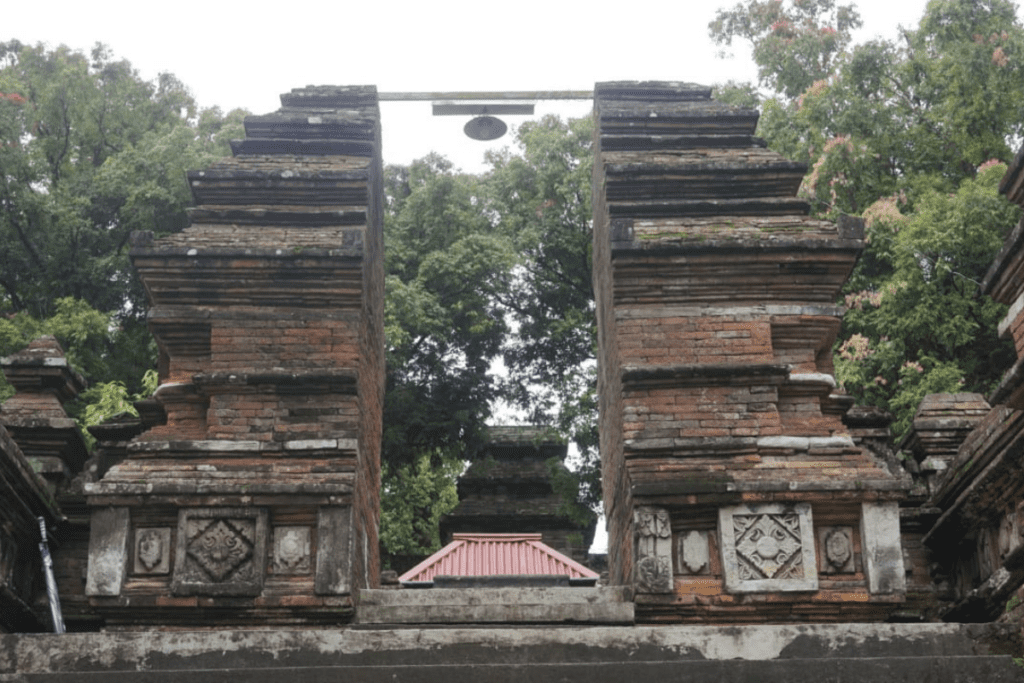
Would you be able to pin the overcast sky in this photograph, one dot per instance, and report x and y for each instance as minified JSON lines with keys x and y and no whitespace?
{"x":245,"y":55}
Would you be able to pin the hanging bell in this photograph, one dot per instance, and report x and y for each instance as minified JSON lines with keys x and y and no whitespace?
{"x":485,"y":128}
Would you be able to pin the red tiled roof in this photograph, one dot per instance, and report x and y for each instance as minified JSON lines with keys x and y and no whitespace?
{"x":496,"y":554}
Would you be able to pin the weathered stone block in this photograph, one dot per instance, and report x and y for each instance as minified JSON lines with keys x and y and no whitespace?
{"x":333,"y":556}
{"x":220,"y":551}
{"x":883,"y":556}
{"x":108,"y":551}
{"x":652,"y":529}
{"x":768,"y":548}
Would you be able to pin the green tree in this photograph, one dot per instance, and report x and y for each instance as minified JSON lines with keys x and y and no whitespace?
{"x":89,"y":152}
{"x":897,"y":131}
{"x":882,"y":116}
{"x":540,"y":195}
{"x":919,"y":326}
{"x":414,"y":496}
{"x":445,"y":327}
{"x":89,"y":339}
{"x":794,"y":43}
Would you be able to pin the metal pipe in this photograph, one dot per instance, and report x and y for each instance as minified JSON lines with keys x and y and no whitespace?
{"x":51,"y":581}
{"x":486,"y":95}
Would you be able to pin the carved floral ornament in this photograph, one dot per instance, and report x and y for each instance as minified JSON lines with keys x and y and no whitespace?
{"x":152,"y":550}
{"x":653,"y":522}
{"x":221,"y":551}
{"x":292,"y":550}
{"x":652,"y":529}
{"x":221,"y":546}
{"x":768,"y":548}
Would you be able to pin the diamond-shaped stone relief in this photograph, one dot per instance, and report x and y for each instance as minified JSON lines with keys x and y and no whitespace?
{"x":152,"y":551}
{"x":221,"y":551}
{"x":222,"y":547}
{"x":768,"y":548}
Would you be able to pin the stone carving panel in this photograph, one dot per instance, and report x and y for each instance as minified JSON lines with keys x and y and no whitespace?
{"x":692,"y":555}
{"x":152,"y":551}
{"x":881,"y":547}
{"x":220,"y":551}
{"x":835,"y":547}
{"x":652,"y":530}
{"x":291,"y":550}
{"x":768,"y":548}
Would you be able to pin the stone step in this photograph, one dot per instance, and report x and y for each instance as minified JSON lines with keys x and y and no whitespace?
{"x":829,"y":652}
{"x":990,"y":669}
{"x":496,"y":605}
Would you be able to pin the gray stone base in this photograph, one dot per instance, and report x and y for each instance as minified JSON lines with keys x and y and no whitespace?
{"x":935,"y":653}
{"x":496,"y":606}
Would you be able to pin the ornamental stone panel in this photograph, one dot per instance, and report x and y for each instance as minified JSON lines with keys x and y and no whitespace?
{"x":768,"y":548}
{"x":152,"y":551}
{"x":220,"y":551}
{"x":653,"y":538}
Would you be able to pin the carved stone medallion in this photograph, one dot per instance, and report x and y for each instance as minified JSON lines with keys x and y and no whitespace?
{"x":152,"y":551}
{"x":221,"y":551}
{"x":835,"y":544}
{"x":291,"y":550}
{"x":693,"y":553}
{"x":767,"y":548}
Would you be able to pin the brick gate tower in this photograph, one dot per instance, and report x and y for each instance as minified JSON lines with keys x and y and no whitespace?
{"x":732,"y":489}
{"x":256,"y":499}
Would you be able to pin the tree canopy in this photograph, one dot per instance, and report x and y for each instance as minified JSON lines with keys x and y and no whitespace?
{"x":89,"y":152}
{"x":909,"y":133}
{"x":540,"y":194}
{"x":484,"y":271}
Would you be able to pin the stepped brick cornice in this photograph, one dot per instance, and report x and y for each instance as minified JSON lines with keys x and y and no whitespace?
{"x":716,"y":318}
{"x":264,"y":434}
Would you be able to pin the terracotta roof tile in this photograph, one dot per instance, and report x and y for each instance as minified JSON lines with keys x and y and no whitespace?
{"x":496,"y":554}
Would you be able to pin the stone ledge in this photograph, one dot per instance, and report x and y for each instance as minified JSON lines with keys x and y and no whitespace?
{"x":804,"y":443}
{"x":705,"y":484}
{"x":213,"y":487}
{"x":191,"y":651}
{"x":752,"y":312}
{"x":204,"y":447}
{"x":708,"y":374}
{"x":496,"y":605}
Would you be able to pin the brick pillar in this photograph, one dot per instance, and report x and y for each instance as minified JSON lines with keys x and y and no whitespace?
{"x":716,"y":316}
{"x":258,"y":496}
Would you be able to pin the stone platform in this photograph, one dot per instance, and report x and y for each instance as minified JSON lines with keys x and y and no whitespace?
{"x":509,"y":605}
{"x":820,"y":653}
